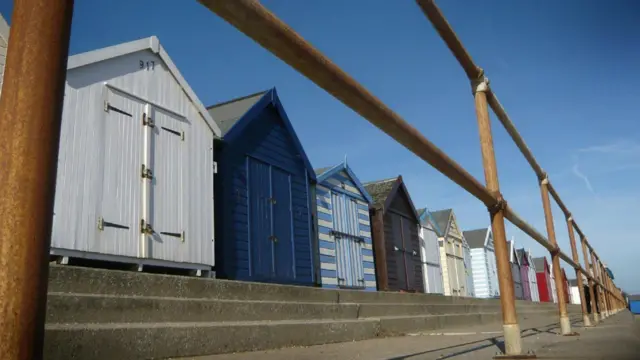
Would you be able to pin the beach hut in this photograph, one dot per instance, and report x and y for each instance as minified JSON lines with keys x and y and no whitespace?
{"x":452,"y":254}
{"x":263,"y":195}
{"x":543,"y":277}
{"x":574,"y":290}
{"x":533,"y":281}
{"x":344,"y":230}
{"x":524,"y":273}
{"x":430,"y":253}
{"x":483,"y":262}
{"x":396,"y":243}
{"x":136,"y":166}
{"x":4,"y":43}
{"x":515,"y":271}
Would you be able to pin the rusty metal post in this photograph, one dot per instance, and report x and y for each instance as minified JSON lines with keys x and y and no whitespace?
{"x":596,"y":274}
{"x":574,"y":253}
{"x":592,"y":296}
{"x":565,"y":324}
{"x":512,"y":338}
{"x":30,"y":116}
{"x":605,"y":298}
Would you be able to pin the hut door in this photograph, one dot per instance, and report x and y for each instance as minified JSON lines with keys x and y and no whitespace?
{"x":350,"y":268}
{"x":165,"y":171}
{"x":282,"y":239}
{"x":118,"y":212}
{"x":409,"y":254}
{"x":398,"y":252}
{"x":260,"y":241}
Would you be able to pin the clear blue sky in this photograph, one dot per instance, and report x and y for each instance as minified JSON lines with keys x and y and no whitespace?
{"x":566,"y":71}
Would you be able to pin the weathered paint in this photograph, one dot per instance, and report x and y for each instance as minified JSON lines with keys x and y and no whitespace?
{"x":346,"y":251}
{"x":456,"y":279}
{"x":533,"y":280}
{"x":515,"y":272}
{"x":264,"y":212}
{"x":103,"y":145}
{"x":395,"y":237}
{"x":483,"y":262}
{"x":543,"y":278}
{"x":430,"y":254}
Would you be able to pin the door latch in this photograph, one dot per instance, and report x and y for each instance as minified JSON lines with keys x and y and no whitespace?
{"x":146,"y":173}
{"x":273,"y":238}
{"x":100,"y":223}
{"x":148,"y":121}
{"x":146,"y":228}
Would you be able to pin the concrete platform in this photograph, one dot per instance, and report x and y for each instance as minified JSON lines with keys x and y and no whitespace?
{"x":617,"y":338}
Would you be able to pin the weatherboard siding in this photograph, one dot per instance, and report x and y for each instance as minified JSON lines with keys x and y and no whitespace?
{"x":326,"y":223}
{"x":267,"y":141}
{"x":479,"y":265}
{"x":430,"y":255}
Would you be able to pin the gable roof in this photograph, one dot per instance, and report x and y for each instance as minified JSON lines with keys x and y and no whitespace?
{"x":539,"y":263}
{"x":426,"y":218}
{"x":383,"y":191}
{"x":226,"y":114}
{"x":325,"y":173}
{"x":253,"y":105}
{"x":442,"y":218}
{"x":522,"y":256}
{"x":152,"y":44}
{"x":476,"y":238}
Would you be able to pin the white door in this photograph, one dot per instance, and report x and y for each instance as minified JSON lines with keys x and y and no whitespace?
{"x":423,"y":258}
{"x":167,"y":188}
{"x":118,"y":205}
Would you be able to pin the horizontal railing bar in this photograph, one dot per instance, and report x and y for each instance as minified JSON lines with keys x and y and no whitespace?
{"x":258,"y":23}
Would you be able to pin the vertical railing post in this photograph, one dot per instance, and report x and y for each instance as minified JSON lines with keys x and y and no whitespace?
{"x":605,"y":298}
{"x":592,"y":293}
{"x":30,"y":117}
{"x":576,"y":259}
{"x":596,"y":271}
{"x":565,"y":324}
{"x":512,"y":339}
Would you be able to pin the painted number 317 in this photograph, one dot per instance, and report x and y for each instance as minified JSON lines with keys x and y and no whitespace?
{"x":149,"y":65}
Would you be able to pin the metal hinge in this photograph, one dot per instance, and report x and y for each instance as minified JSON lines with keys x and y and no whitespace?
{"x":100,"y":223}
{"x":146,"y":173}
{"x":215,"y":167}
{"x":145,"y":228}
{"x":147,"y":121}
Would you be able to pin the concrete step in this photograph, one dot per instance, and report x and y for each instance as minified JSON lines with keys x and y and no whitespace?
{"x":97,"y":308}
{"x":92,"y":308}
{"x":134,"y":340}
{"x":71,"y":279}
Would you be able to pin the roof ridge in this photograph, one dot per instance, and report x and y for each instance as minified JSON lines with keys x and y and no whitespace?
{"x":379,"y":181}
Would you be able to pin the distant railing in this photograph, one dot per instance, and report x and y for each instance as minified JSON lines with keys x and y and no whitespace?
{"x":30,"y":116}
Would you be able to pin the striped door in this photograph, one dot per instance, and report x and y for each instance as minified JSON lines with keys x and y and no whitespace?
{"x":346,"y":229}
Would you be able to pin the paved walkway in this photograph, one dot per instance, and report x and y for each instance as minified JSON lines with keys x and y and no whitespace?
{"x":617,"y":338}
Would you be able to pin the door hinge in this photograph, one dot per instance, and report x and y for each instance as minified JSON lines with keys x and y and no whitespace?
{"x":146,"y":228}
{"x":146,"y":173}
{"x":100,"y":223}
{"x":215,"y":167}
{"x":147,"y":121}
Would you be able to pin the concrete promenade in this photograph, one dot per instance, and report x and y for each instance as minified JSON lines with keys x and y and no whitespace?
{"x":617,"y":338}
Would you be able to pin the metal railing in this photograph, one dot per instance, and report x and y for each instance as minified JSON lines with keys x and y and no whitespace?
{"x":30,"y":115}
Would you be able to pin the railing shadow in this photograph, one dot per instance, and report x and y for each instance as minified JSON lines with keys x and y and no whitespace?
{"x":494,"y":341}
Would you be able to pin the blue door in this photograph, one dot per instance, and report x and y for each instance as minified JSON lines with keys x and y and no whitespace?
{"x":284,"y":263}
{"x":346,"y":232}
{"x":260,"y":253}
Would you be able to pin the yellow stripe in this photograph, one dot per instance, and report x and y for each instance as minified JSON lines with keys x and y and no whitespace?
{"x":363,"y":212}
{"x":325,"y":237}
{"x":370,"y":271}
{"x":326,"y":266}
{"x":324,"y":210}
{"x":365,"y":234}
{"x":328,"y":252}
{"x":367,"y":258}
{"x":370,"y":284}
{"x":364,"y":222}
{"x":325,"y":223}
{"x":329,"y":281}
